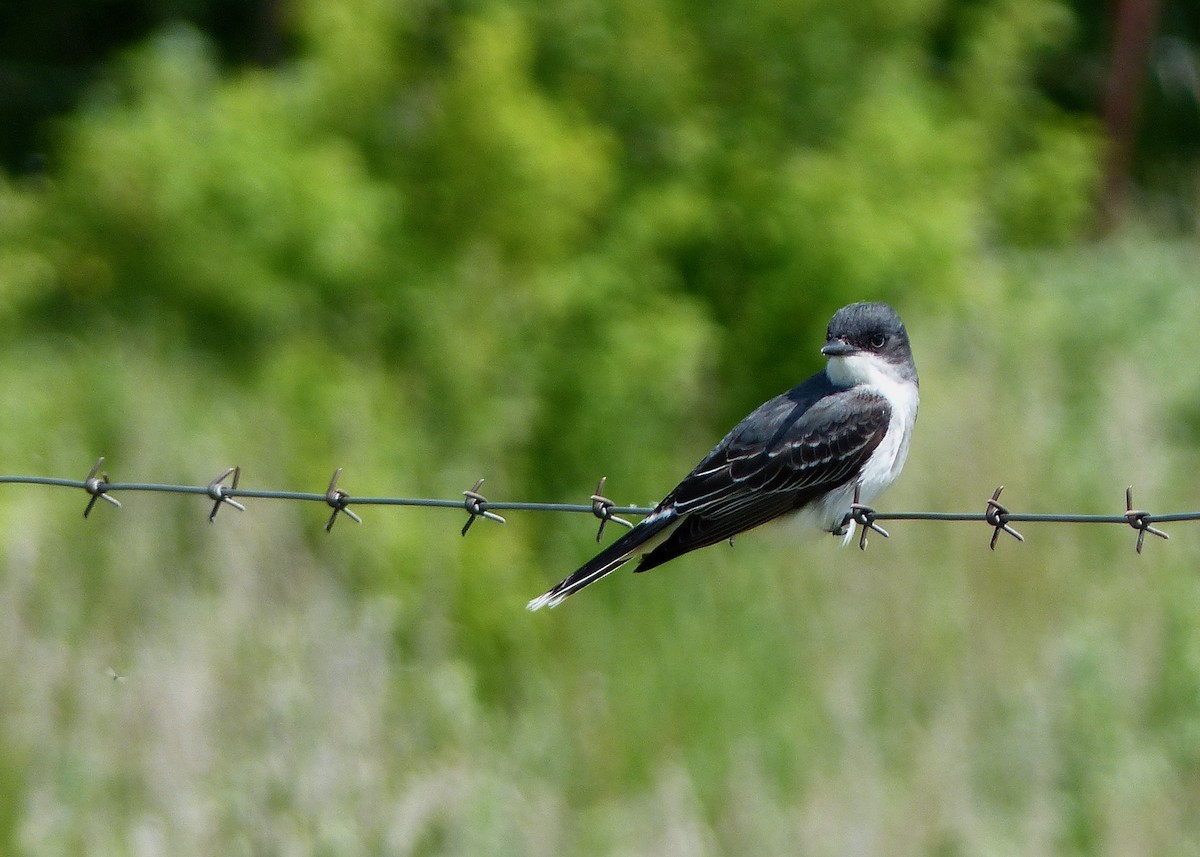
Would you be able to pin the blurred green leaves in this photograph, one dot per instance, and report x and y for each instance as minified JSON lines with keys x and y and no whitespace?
{"x":783,"y":157}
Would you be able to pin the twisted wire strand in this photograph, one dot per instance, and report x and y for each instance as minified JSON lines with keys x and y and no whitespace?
{"x":997,"y":516}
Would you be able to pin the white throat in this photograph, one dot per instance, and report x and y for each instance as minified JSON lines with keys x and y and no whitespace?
{"x":869,"y":369}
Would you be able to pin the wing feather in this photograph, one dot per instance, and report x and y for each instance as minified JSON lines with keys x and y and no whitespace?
{"x":790,"y":451}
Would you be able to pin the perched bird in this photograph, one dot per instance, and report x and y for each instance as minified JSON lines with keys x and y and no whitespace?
{"x":800,"y":454}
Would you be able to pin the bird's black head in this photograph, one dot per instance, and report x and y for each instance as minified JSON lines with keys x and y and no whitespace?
{"x":869,"y":329}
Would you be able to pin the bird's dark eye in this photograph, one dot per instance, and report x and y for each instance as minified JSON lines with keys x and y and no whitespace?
{"x":878,"y":340}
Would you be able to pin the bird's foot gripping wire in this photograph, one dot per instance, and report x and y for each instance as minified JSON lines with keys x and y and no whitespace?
{"x":862,"y":515}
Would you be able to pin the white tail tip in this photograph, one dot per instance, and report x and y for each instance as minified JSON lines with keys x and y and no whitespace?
{"x":550,"y":599}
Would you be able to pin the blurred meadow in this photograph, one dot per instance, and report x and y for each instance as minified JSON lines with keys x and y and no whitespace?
{"x":541,"y":243}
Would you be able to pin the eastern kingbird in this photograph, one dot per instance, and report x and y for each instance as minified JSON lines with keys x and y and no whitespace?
{"x":800,"y":454}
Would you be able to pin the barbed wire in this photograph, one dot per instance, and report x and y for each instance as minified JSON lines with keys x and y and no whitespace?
{"x":997,"y":516}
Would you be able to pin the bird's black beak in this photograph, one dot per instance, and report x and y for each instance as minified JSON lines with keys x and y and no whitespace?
{"x":838,"y":348}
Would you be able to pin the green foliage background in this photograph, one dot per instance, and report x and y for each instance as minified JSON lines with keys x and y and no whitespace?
{"x":542,"y":243}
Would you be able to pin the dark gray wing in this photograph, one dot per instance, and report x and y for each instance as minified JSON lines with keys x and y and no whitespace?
{"x":791,"y":450}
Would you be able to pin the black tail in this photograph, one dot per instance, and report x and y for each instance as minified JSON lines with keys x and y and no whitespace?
{"x":608,"y":560}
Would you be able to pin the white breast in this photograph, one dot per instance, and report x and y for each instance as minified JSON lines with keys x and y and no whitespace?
{"x":884,"y":465}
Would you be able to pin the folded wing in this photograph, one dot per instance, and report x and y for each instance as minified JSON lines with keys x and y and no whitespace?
{"x":785,"y":455}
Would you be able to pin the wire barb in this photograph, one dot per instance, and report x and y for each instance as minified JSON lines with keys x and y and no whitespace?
{"x":864,"y":516}
{"x":602,"y":508}
{"x":477,"y":506}
{"x":997,"y":517}
{"x":96,"y":484}
{"x":1140,"y":520}
{"x":217,"y":492}
{"x":339,"y":501}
